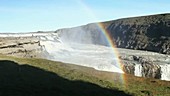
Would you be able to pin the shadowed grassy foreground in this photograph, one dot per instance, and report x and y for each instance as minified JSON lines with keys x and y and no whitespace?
{"x":39,"y":77}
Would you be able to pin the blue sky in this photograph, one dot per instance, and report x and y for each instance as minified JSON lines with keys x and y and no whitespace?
{"x":44,"y":15}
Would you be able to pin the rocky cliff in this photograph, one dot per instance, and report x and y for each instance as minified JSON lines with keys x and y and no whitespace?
{"x":151,"y":33}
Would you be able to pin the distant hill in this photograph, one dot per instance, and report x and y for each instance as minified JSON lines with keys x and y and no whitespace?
{"x":151,"y":33}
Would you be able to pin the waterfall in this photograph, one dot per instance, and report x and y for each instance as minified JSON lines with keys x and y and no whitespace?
{"x":83,"y":35}
{"x":81,"y":46}
{"x":138,"y":70}
{"x":165,"y":69}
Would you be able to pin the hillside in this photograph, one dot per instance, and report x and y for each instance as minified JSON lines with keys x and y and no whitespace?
{"x":151,"y":33}
{"x":32,"y":77}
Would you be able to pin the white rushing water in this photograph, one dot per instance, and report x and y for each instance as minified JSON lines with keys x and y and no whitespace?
{"x":95,"y":56}
{"x":138,"y":70}
{"x":76,"y":46}
{"x":85,"y":48}
{"x":165,"y":69}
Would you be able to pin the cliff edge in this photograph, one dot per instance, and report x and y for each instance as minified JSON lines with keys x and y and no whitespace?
{"x":151,"y":33}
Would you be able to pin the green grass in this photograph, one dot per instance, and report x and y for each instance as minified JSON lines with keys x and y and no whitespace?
{"x":40,"y":77}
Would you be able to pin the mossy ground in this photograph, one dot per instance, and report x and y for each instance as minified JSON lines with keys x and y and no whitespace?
{"x":35,"y":77}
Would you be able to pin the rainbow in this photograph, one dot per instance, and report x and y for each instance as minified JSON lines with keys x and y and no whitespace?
{"x":106,"y":33}
{"x":111,"y":44}
{"x":114,"y":50}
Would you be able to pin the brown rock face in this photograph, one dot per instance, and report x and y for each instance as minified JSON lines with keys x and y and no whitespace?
{"x":148,"y":68}
{"x":128,"y":67}
{"x":150,"y":33}
{"x":21,"y":46}
{"x":151,"y":70}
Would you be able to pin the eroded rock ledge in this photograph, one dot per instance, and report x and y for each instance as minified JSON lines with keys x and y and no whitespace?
{"x":145,"y":67}
{"x":20,"y":46}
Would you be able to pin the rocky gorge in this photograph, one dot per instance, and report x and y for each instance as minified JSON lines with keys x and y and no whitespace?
{"x":143,"y":44}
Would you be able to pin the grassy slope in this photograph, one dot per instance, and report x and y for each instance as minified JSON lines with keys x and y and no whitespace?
{"x":41,"y":77}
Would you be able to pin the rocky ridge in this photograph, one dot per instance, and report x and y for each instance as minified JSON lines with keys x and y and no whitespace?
{"x":151,"y":33}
